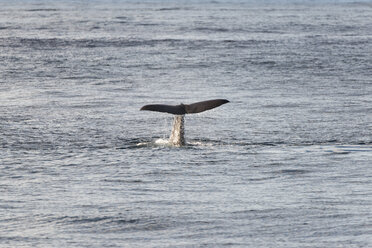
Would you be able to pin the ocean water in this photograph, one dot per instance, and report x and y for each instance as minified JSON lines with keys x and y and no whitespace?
{"x":287,"y":163}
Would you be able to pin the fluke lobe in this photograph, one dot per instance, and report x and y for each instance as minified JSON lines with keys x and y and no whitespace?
{"x":177,"y":137}
{"x":186,"y":108}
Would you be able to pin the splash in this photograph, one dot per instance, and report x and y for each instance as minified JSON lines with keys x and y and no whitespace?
{"x":177,"y":137}
{"x":162,"y":142}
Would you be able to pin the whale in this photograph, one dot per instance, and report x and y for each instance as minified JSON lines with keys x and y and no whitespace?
{"x":177,"y":137}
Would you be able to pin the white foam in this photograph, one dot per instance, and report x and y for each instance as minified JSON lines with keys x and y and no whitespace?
{"x":163,"y":142}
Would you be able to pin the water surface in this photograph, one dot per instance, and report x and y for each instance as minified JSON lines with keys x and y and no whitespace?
{"x":287,"y":163}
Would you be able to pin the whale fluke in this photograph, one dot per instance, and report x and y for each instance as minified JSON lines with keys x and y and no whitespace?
{"x":186,"y":108}
{"x":171,"y":109}
{"x":203,"y":106}
{"x":177,"y":137}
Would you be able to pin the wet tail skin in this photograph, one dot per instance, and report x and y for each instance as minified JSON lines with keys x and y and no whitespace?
{"x":186,"y":108}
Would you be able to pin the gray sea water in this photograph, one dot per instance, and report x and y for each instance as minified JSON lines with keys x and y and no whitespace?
{"x":287,"y":163}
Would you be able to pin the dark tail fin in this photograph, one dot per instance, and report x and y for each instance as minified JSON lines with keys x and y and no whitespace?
{"x":203,"y":106}
{"x":176,"y":110}
{"x":187,"y":108}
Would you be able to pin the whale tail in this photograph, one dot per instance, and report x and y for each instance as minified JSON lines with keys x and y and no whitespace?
{"x":177,"y":137}
{"x":182,"y":109}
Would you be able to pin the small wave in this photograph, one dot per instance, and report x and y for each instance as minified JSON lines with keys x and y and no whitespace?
{"x":129,"y":181}
{"x":212,"y":30}
{"x":173,"y":9}
{"x":122,"y":17}
{"x":247,"y":43}
{"x":97,"y":219}
{"x":293,"y":171}
{"x":42,"y":10}
{"x":284,"y":105}
{"x":147,"y":24}
{"x":354,"y":148}
{"x":113,"y":223}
